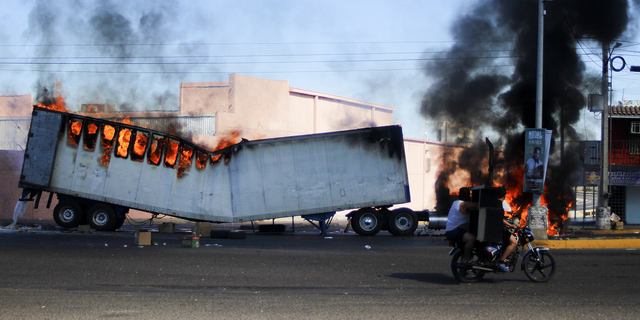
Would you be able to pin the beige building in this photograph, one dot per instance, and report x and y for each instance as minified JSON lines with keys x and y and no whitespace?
{"x":257,"y":108}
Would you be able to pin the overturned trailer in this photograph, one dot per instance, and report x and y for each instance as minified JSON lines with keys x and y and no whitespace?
{"x":100,"y":169}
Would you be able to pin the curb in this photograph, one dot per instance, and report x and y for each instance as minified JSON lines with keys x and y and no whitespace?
{"x":589,"y":244}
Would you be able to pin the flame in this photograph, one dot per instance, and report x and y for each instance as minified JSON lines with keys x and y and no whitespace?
{"x":91,"y":136}
{"x":172,"y":154}
{"x":126,"y":121}
{"x":92,"y":128}
{"x":519,"y":202}
{"x":201,"y":160}
{"x":139,"y":147}
{"x":106,"y":142}
{"x":185,"y":160}
{"x":59,"y":104}
{"x":228,"y":139}
{"x":215,"y":159}
{"x":156,"y":150}
{"x":73,"y":134}
{"x":124,"y":137}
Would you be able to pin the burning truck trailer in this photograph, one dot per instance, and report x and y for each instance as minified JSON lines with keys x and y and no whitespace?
{"x":100,"y":169}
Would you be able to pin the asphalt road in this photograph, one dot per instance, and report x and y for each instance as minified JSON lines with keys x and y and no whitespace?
{"x":55,"y":275}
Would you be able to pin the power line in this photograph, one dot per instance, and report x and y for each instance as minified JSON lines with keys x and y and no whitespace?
{"x":238,"y":43}
{"x":242,"y":72}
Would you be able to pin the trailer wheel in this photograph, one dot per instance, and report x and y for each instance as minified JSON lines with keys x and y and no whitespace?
{"x":403,"y":222}
{"x":366,"y":222}
{"x":102,"y":217}
{"x":68,"y":214}
{"x":120,"y":223}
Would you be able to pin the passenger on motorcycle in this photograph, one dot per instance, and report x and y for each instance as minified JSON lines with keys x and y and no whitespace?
{"x":507,"y":235}
{"x":458,"y":222}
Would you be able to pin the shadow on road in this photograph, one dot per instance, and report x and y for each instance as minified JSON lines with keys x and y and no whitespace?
{"x":435,"y":278}
{"x":440,"y":278}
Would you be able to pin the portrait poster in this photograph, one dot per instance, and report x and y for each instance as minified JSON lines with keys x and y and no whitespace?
{"x":536,"y":153}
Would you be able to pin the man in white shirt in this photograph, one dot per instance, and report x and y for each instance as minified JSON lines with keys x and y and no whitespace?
{"x":507,"y":237}
{"x":458,"y":222}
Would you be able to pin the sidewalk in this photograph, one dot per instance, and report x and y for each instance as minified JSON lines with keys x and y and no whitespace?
{"x":589,"y":237}
{"x":577,"y":236}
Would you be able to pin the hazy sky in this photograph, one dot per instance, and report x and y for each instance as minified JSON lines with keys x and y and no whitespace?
{"x":133,"y":52}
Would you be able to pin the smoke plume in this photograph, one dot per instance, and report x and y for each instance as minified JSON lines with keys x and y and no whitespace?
{"x":117,"y":50}
{"x":489,"y":83}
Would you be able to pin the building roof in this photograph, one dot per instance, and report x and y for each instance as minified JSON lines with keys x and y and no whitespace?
{"x":619,"y":110}
{"x":625,"y":109}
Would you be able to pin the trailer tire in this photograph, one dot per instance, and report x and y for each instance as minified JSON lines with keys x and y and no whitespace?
{"x":120,"y":223}
{"x":403,"y":222}
{"x":237,"y":235}
{"x":366,"y":222}
{"x":102,"y":217}
{"x":68,"y":214}
{"x":219,"y":234}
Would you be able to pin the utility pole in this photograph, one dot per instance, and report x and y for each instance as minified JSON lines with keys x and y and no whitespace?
{"x":603,"y":194}
{"x":536,"y":214}
{"x":536,"y":196}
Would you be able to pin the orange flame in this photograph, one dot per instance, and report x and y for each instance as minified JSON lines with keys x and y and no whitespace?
{"x":124,"y":137}
{"x":520,"y":202}
{"x":185,"y":160}
{"x":139,"y":147}
{"x":59,"y":104}
{"x":226,"y":140}
{"x":156,"y":150}
{"x":73,"y":134}
{"x":201,"y":160}
{"x":172,"y":154}
{"x":92,"y":128}
{"x":106,"y":142}
{"x":91,"y":136}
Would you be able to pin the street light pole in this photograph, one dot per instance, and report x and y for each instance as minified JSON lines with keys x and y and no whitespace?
{"x":604,"y":135}
{"x":536,"y":196}
{"x":603,"y":210}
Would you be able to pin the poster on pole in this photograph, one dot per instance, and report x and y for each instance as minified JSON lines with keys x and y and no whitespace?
{"x":536,"y":153}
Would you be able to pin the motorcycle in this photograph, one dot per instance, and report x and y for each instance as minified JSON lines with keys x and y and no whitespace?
{"x":537,"y":263}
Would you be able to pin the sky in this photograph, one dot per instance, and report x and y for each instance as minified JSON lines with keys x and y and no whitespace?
{"x":134,"y":53}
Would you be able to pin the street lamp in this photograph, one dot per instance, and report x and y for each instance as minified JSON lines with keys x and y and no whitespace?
{"x":603,"y":199}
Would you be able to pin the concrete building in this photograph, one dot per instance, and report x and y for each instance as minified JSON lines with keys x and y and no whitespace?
{"x":257,"y":108}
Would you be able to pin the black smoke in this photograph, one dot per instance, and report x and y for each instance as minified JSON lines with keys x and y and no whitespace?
{"x":117,"y":49}
{"x":489,"y":80}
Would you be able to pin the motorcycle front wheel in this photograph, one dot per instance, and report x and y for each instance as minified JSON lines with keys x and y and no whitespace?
{"x":540,"y":268}
{"x":462,"y":271}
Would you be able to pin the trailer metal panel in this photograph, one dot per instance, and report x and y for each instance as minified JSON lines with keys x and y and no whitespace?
{"x":253,"y":180}
{"x":41,"y":149}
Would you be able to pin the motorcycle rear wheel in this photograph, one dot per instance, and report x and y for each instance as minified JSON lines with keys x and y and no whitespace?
{"x":539,"y":269}
{"x":464,"y":273}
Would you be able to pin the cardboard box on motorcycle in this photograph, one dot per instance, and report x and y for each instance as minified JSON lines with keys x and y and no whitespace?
{"x":485,"y":222}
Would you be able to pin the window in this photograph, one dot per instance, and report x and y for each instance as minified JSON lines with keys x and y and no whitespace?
{"x":155,"y":151}
{"x":634,"y":138}
{"x":91,"y":136}
{"x":74,"y":129}
{"x":635,"y":127}
{"x":139,"y":146}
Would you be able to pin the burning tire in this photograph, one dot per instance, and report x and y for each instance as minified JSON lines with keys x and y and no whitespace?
{"x":402,"y":222}
{"x":68,"y":214}
{"x":366,"y":222}
{"x":102,"y":217}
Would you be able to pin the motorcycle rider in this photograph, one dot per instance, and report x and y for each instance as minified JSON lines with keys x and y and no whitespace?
{"x":458,"y":222}
{"x":507,"y":236}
